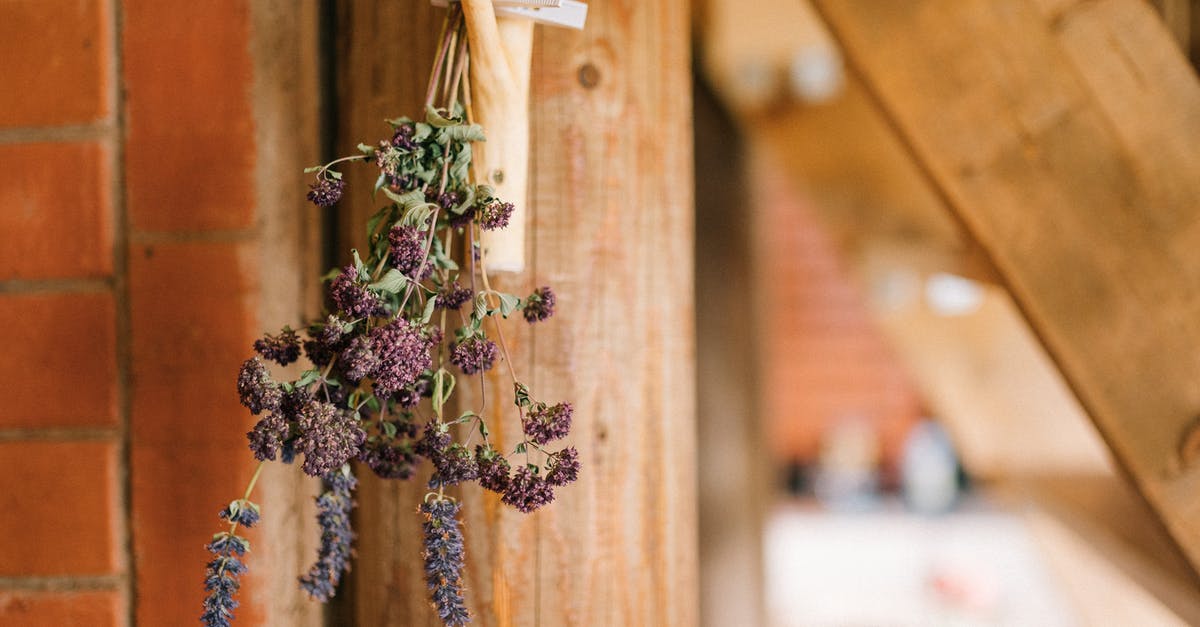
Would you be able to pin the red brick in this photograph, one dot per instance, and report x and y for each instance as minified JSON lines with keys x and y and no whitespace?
{"x":193,"y":307}
{"x":190,"y":154}
{"x":59,"y":364}
{"x":57,"y":197}
{"x":57,"y":62}
{"x":56,"y":609}
{"x":177,"y":491}
{"x":61,"y":515}
{"x":825,"y":361}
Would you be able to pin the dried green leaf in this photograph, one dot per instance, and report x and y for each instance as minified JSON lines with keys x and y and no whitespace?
{"x":426,"y":315}
{"x":392,"y":282}
{"x":435,"y":118}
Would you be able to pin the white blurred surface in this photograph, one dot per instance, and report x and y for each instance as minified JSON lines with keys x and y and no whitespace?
{"x":889,"y":567}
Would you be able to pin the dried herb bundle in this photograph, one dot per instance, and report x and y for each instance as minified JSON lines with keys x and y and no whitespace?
{"x":384,"y":360}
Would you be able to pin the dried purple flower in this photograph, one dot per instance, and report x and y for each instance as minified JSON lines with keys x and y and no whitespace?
{"x":544,"y":423}
{"x":240,"y":512}
{"x":326,"y":191}
{"x":494,"y":215}
{"x":392,"y":458}
{"x":527,"y":491}
{"x":474,"y":354}
{"x":444,"y":561}
{"x":403,"y":137}
{"x":564,"y":467}
{"x":455,"y":464}
{"x":333,"y":557}
{"x":352,"y":297}
{"x":539,"y":305}
{"x":282,"y":349}
{"x":388,"y":159}
{"x":258,"y":392}
{"x":333,"y":331}
{"x":328,"y":437}
{"x":407,"y":247}
{"x":403,"y":352}
{"x":318,"y":353}
{"x":267,"y":436}
{"x":434,"y":440}
{"x":453,"y":296}
{"x":493,"y":468}
{"x":358,"y":360}
{"x":221,"y":579}
{"x":410,"y":395}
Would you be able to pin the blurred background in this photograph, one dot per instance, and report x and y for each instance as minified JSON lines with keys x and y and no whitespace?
{"x":921,"y":346}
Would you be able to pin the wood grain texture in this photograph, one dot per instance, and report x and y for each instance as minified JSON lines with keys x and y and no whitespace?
{"x":1066,"y":141}
{"x":611,"y":229}
{"x":848,"y":161}
{"x":1116,"y":533}
{"x":287,"y":131}
{"x":501,"y":50}
{"x":384,"y":53}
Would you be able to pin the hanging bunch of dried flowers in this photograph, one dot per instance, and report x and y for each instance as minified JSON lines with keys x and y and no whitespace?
{"x":384,"y":362}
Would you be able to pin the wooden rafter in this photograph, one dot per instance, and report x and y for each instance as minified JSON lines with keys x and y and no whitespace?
{"x":1066,"y":137}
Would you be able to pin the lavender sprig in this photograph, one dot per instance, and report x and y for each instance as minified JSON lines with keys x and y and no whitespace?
{"x":333,"y":556}
{"x":443,"y":556}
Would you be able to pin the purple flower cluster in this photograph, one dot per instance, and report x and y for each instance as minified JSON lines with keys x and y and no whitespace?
{"x":403,"y":137}
{"x":564,"y":467}
{"x":392,"y":458}
{"x":527,"y":491}
{"x":358,"y":360}
{"x":337,"y":538}
{"x":407,"y":247}
{"x":474,"y":354}
{"x":221,"y":579}
{"x":388,"y":160}
{"x":258,"y":392}
{"x":326,"y":192}
{"x":544,"y":423}
{"x":493,"y":469}
{"x":328,"y":437}
{"x":539,"y":305}
{"x":444,"y":561}
{"x":403,"y":352}
{"x":268,"y":436}
{"x":351,"y":296}
{"x":282,"y":349}
{"x":453,"y":296}
{"x":454,"y":464}
{"x":494,"y":215}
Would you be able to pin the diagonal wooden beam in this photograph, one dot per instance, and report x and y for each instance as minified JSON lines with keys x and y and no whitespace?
{"x":1065,"y":136}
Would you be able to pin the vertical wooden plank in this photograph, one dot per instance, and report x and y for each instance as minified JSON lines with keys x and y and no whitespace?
{"x":612,"y":220}
{"x":1049,"y":135}
{"x":611,"y":216}
{"x":284,"y":43}
{"x":735,"y":480}
{"x":384,"y":52}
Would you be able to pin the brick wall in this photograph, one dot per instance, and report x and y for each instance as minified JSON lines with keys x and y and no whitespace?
{"x":141,"y":142}
{"x":823,"y":358}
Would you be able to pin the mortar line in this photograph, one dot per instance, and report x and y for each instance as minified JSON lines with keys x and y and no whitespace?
{"x":66,"y":583}
{"x":123,"y":308}
{"x":57,"y":286}
{"x":98,"y":131}
{"x":58,"y":434}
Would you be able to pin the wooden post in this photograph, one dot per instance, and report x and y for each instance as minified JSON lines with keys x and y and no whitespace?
{"x":610,"y":210}
{"x":736,"y":480}
{"x":1064,"y":136}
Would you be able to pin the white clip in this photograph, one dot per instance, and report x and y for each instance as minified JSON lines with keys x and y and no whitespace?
{"x":564,"y":13}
